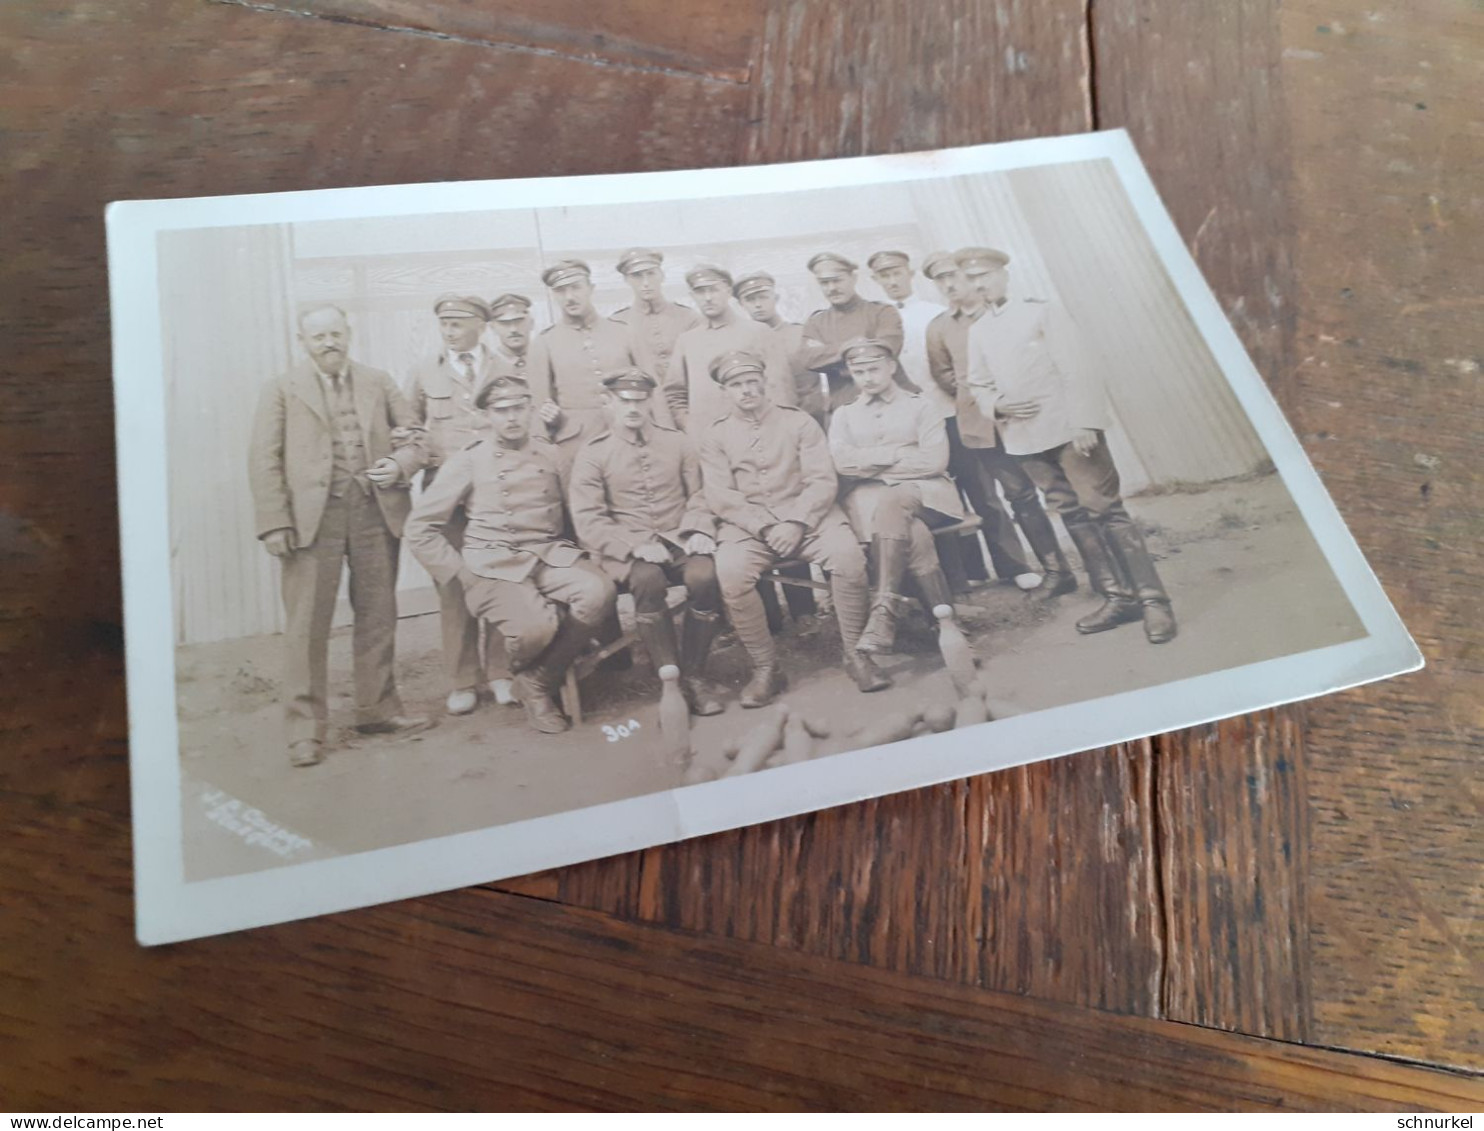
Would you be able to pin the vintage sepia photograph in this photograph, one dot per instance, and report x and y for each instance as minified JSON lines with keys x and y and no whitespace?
{"x":506,"y":525}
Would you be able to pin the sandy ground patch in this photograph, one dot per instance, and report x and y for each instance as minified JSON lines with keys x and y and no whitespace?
{"x":1247,"y":579}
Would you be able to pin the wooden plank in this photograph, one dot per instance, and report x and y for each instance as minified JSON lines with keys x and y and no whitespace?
{"x":973,"y":880}
{"x":178,"y":99}
{"x":484,"y":1001}
{"x":712,"y":41}
{"x":1386,"y":105}
{"x":1196,"y":85}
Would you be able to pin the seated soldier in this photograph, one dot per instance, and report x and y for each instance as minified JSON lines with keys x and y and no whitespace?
{"x":636,"y":502}
{"x":891,"y":448}
{"x":769,"y":479}
{"x":520,"y":574}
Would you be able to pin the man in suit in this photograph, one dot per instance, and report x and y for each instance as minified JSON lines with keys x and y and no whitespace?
{"x":891,"y":452}
{"x":1030,"y":369}
{"x":636,"y":503}
{"x":330,"y":488}
{"x":520,"y":573}
{"x":768,"y":478}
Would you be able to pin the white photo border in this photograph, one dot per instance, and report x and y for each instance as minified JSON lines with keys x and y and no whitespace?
{"x":169,"y":909}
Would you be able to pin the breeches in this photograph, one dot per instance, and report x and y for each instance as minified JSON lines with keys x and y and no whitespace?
{"x":1077,"y":486}
{"x":697,"y":572}
{"x":528,"y":613}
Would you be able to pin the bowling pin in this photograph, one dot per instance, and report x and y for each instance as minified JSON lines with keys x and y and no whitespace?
{"x":674,"y":714}
{"x":958,"y":657}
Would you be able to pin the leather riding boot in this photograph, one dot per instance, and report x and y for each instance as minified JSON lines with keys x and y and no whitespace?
{"x":696,"y":634}
{"x":536,"y":685}
{"x":880,"y":633}
{"x":1133,"y":555}
{"x":766,"y":684}
{"x":861,"y":668}
{"x":935,"y":589}
{"x":657,"y":632}
{"x":1119,"y":606}
{"x":1057,"y":578}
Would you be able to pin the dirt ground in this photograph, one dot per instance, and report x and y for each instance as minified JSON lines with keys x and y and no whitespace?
{"x":1247,"y":579}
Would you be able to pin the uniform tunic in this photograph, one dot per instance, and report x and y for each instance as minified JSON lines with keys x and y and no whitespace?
{"x":691,"y":393}
{"x":948,"y":363}
{"x":653,"y":334}
{"x":568,"y":362}
{"x":809,"y":395}
{"x":625,"y":492}
{"x":1028,"y":349}
{"x":513,"y":499}
{"x":516,"y":565}
{"x":828,"y":329}
{"x":442,"y":396}
{"x":885,"y":441}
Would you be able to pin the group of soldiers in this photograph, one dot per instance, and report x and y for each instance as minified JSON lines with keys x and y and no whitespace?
{"x":674,"y":445}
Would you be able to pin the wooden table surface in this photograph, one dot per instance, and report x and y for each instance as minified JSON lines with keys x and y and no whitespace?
{"x":1276,"y":911}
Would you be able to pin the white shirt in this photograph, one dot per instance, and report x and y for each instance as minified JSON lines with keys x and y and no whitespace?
{"x":916,"y":314}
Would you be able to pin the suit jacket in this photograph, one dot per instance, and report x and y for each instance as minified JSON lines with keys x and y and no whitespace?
{"x":292,"y":450}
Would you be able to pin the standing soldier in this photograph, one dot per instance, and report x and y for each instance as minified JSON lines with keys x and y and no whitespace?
{"x":892,"y":271}
{"x":510,"y":316}
{"x":330,"y":489}
{"x":442,"y":395}
{"x":1029,"y":369}
{"x":654,"y":321}
{"x":769,"y":479}
{"x":847,"y":318}
{"x":890,"y":447}
{"x":637,"y":505}
{"x":571,"y":357}
{"x":758,"y":294}
{"x":976,"y":458}
{"x":693,"y":397}
{"x":520,"y":574}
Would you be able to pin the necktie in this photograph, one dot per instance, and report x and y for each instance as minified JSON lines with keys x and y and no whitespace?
{"x":467,"y":361}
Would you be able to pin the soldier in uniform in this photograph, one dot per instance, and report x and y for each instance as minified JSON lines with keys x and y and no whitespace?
{"x":891,"y":450}
{"x":570,"y":358}
{"x":654,"y":321}
{"x":694,"y":399}
{"x":758,"y":295}
{"x":847,"y":318}
{"x":329,"y":486}
{"x":1030,"y":370}
{"x":976,"y":458}
{"x":510,"y":317}
{"x":521,"y":576}
{"x":442,"y":395}
{"x":892,"y":271}
{"x":636,"y":503}
{"x":769,"y":479}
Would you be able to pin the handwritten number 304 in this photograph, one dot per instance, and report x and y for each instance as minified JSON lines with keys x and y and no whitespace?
{"x":623,"y":730}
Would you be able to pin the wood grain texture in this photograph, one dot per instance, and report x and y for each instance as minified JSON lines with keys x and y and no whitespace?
{"x":1386,"y":101}
{"x":713,"y":41}
{"x":1158,"y":878}
{"x":997,"y":881}
{"x":117,"y":100}
{"x":482,"y":1000}
{"x":1198,"y":88}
